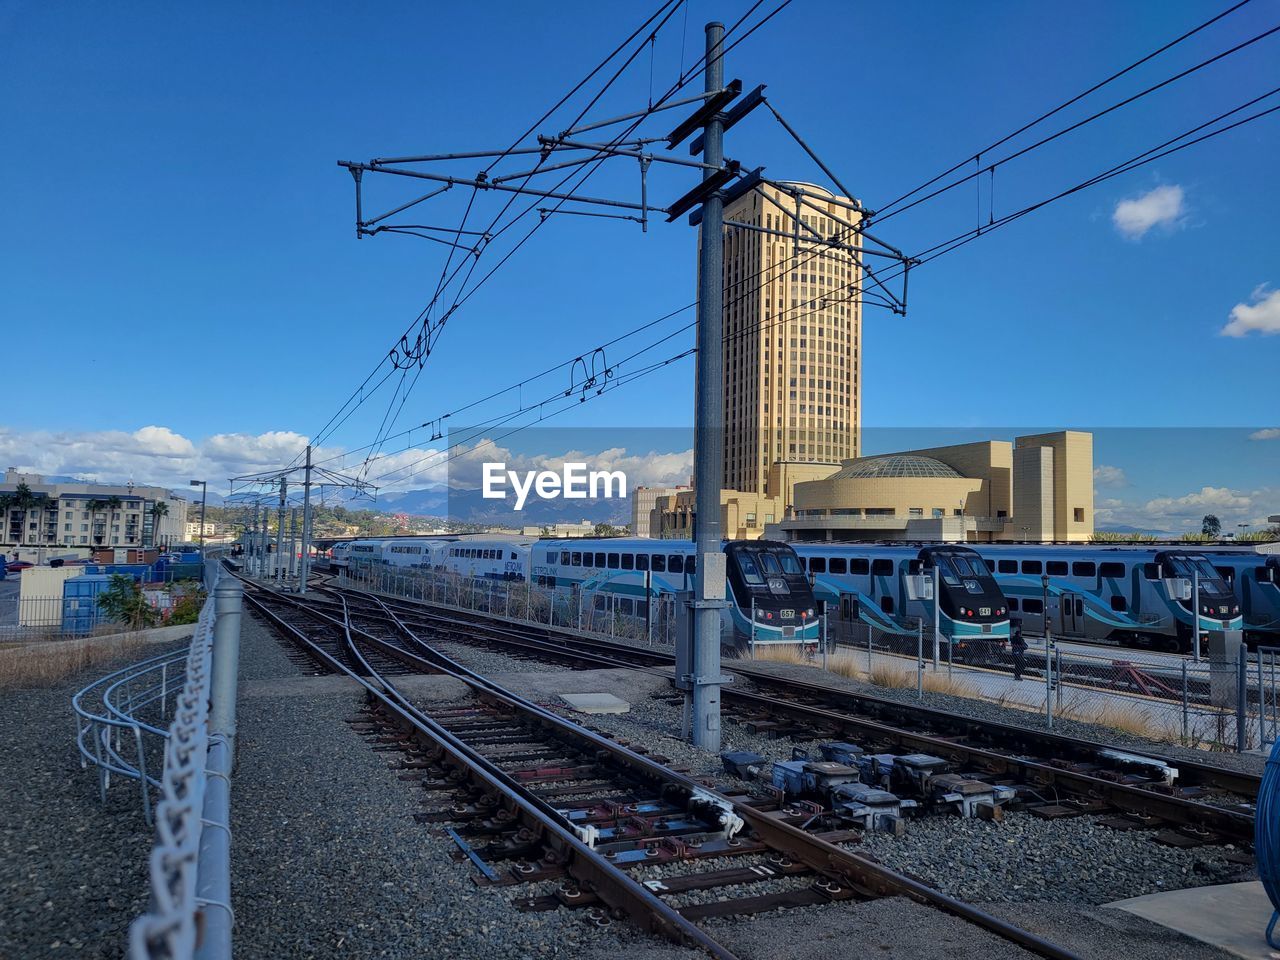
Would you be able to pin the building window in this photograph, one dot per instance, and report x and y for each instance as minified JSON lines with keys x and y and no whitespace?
{"x":915,"y":512}
{"x":1079,"y":514}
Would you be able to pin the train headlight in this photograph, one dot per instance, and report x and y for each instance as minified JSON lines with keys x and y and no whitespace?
{"x":1235,"y":610}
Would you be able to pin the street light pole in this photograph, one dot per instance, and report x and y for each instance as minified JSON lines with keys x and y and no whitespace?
{"x":204,"y":497}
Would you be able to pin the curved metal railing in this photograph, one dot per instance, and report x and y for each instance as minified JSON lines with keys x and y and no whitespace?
{"x":114,"y":732}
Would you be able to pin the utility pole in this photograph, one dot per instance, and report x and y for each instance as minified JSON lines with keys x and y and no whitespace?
{"x":284,"y":495}
{"x":709,"y":581}
{"x":305,"y":566}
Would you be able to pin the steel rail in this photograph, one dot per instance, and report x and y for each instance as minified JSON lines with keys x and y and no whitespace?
{"x":1235,"y":825}
{"x":613,"y":885}
{"x":861,"y":875}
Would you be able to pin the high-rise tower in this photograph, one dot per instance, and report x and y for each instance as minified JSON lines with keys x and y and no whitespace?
{"x":792,"y":333}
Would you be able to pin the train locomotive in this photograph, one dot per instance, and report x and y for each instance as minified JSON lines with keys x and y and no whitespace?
{"x":1129,"y":596}
{"x":877,"y":585}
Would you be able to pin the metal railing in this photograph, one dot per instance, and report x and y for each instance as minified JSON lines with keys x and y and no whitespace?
{"x":118,"y":731}
{"x":111,"y":734}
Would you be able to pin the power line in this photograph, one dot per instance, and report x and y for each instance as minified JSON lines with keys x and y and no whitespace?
{"x":1067,"y":103}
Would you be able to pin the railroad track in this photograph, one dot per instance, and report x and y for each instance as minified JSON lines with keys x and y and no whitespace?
{"x":1205,"y":804}
{"x":531,"y":796}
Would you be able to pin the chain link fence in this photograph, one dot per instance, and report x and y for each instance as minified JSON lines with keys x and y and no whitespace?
{"x":598,"y":613}
{"x":1209,"y":704}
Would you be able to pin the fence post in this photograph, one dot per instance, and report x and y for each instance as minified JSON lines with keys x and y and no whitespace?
{"x":213,"y":880}
{"x":228,"y":596}
{"x":1242,"y":691}
{"x":752,"y":643}
{"x":920,"y":658}
{"x":1184,"y":703}
{"x":870,"y":633}
{"x":1048,"y":673}
{"x":824,"y":635}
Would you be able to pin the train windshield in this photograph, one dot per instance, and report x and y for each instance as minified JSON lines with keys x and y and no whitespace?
{"x":780,"y":562}
{"x":958,"y":571}
{"x":1210,"y":579}
{"x":750,"y":572}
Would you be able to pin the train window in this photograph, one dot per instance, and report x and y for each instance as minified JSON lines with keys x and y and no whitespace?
{"x":642,"y":561}
{"x":659,"y":563}
{"x":1119,"y":604}
{"x":1112,"y":570}
{"x":881,"y":568}
{"x":1056,"y":568}
{"x":642,"y":608}
{"x":1151,"y":571}
{"x":575,"y":559}
{"x":626,"y":606}
{"x":859,"y":566}
{"x":1084,"y":568}
{"x":750,"y":572}
{"x":564,"y":558}
{"x":1031,"y":566}
{"x":1227,"y":574}
{"x":886,"y":602}
{"x":838,"y":565}
{"x":613,"y":561}
{"x":817,"y":564}
{"x":513,"y":555}
{"x":675,"y":563}
{"x":1013,"y":603}
{"x":600,"y":600}
{"x":1030,"y":605}
{"x":1007,"y":566}
{"x":1263,"y":574}
{"x":628,"y":561}
{"x":691,"y":565}
{"x":599,"y":560}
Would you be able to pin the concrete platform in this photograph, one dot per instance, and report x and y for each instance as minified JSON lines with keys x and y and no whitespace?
{"x":1230,"y":916}
{"x":596,"y":703}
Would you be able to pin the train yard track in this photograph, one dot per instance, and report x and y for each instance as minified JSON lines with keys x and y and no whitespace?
{"x":529,"y":795}
{"x":1187,"y":803}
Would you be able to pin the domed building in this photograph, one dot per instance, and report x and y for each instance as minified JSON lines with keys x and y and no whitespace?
{"x":1037,"y":488}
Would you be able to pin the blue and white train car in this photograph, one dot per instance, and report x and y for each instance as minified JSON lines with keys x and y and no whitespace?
{"x":1125,"y":596}
{"x":762,"y":576}
{"x":488,"y":559}
{"x":872,"y":584}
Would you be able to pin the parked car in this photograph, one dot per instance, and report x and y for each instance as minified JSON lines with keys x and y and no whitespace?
{"x":17,"y":566}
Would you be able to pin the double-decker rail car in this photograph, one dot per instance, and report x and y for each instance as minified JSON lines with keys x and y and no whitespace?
{"x":497,"y":559}
{"x":875,"y":585}
{"x":762,"y":577}
{"x":1125,"y":596}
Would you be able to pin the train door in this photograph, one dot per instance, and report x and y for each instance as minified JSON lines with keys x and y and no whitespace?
{"x":849,"y":612}
{"x":1071,"y":615}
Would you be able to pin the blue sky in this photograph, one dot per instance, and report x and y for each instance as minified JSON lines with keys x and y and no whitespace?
{"x":177,"y":217}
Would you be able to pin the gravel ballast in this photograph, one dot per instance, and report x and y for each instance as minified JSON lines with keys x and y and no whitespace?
{"x":73,"y":871}
{"x":328,"y":860}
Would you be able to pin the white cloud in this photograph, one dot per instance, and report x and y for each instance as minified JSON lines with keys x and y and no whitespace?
{"x":1105,"y":476}
{"x":1270,"y":433}
{"x":1161,"y":207}
{"x":1260,"y":314}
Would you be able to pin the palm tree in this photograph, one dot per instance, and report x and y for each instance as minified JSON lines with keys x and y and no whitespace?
{"x":22,"y":500}
{"x":95,"y":507}
{"x":158,"y":509}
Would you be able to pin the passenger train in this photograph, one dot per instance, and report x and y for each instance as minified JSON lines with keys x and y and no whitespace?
{"x":762,"y":576}
{"x":1255,"y":581}
{"x":1119,"y":595}
{"x":876,"y":585}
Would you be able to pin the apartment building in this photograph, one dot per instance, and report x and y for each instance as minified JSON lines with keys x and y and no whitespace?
{"x":39,"y":513}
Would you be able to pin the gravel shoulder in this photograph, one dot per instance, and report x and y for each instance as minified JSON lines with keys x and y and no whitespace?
{"x":73,"y":870}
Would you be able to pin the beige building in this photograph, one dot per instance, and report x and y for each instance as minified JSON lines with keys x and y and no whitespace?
{"x":743,"y":515}
{"x":792,"y":334}
{"x":644,"y":521}
{"x":584,"y":528}
{"x":1037,"y":488}
{"x":92,"y":515}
